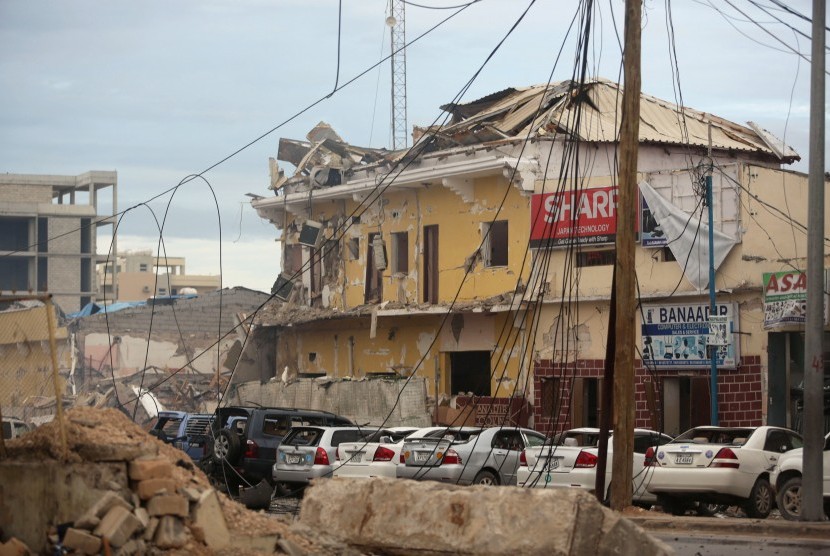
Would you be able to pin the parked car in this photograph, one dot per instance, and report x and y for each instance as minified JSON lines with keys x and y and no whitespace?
{"x":308,"y":453}
{"x":572,"y":465}
{"x":379,"y":454}
{"x":242,"y":447}
{"x":719,"y":465}
{"x":467,"y":455}
{"x":787,"y":481}
{"x":186,"y":431}
{"x":14,"y":427}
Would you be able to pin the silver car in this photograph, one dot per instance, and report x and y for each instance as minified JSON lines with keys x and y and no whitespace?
{"x":310,"y":452}
{"x":468,"y":455}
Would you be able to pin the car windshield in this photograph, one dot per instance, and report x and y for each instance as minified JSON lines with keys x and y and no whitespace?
{"x":732,"y":437}
{"x":576,"y":438}
{"x":534,"y":440}
{"x":303,"y":437}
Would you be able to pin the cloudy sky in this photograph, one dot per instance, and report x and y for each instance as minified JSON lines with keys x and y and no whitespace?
{"x":160,"y":90}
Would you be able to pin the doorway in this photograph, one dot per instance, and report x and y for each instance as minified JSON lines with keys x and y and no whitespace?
{"x":431,"y":264}
{"x":686,"y":403}
{"x":585,"y":402}
{"x":470,"y":372}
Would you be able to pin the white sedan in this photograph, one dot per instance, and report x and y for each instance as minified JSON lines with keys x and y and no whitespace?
{"x":719,"y":465}
{"x":572,"y":462}
{"x":379,"y":455}
{"x":787,"y":481}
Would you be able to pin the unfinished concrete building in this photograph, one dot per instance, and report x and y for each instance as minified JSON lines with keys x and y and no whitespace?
{"x":48,"y":234}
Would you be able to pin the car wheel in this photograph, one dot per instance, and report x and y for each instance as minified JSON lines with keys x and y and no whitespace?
{"x":485,"y":478}
{"x":760,"y":500}
{"x":228,"y":446}
{"x":672,"y":505}
{"x":789,"y":499}
{"x":710,"y":510}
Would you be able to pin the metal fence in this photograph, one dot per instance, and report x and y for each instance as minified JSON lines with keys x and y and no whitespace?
{"x":34,"y":353}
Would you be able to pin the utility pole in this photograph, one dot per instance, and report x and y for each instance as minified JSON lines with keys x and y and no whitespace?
{"x":811,"y":497}
{"x":622,"y":462}
{"x":397,"y":23}
{"x":713,"y":351}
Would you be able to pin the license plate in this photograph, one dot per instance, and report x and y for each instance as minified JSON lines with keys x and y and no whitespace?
{"x":293,"y":458}
{"x":357,"y":457}
{"x":552,"y":464}
{"x":420,"y":457}
{"x":684,"y":459}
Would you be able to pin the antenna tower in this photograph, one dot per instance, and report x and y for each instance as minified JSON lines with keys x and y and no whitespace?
{"x":396,"y":23}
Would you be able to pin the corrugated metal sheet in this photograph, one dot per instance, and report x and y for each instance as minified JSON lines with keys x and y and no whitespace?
{"x":592,"y":113}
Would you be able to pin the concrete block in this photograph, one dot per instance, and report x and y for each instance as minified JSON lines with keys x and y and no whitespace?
{"x":81,"y":541}
{"x":132,"y":547}
{"x":92,"y":517}
{"x":150,"y":468}
{"x":118,"y":526}
{"x":191,"y":493}
{"x":150,"y":530}
{"x":148,"y":488}
{"x":143,"y":516}
{"x":390,"y":516}
{"x":207,"y":514}
{"x":14,"y":547}
{"x":171,"y":533}
{"x":168,"y":504}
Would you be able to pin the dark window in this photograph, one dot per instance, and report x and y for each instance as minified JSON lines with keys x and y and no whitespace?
{"x":303,"y":437}
{"x":495,"y":243}
{"x":431,"y":264}
{"x":292,"y":260}
{"x":508,"y":440}
{"x":276,"y":425}
{"x":42,"y":235}
{"x":43,"y":274}
{"x":373,"y":292}
{"x":86,"y":235}
{"x":14,"y":274}
{"x":595,"y":258}
{"x":470,"y":372}
{"x":778,"y":441}
{"x":316,"y":267}
{"x":400,"y":252}
{"x":86,"y":275}
{"x":14,"y":234}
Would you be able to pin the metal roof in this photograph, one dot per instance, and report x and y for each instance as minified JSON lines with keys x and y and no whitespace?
{"x":592,"y":111}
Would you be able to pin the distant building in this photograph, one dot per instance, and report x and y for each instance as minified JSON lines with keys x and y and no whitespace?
{"x":137,"y":271}
{"x":48,"y":234}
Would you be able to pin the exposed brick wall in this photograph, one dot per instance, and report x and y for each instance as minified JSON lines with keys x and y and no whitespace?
{"x":739,"y":392}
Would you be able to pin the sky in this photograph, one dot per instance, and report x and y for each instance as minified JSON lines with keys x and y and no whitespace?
{"x":160,"y":90}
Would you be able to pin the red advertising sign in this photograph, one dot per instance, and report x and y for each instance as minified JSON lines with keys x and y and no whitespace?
{"x":586,"y":217}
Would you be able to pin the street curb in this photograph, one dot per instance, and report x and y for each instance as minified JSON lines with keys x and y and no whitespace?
{"x":736,"y":526}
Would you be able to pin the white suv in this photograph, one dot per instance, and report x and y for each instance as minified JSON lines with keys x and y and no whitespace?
{"x":787,"y":481}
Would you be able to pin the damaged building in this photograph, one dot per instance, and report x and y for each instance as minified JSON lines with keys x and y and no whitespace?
{"x":481,"y":259}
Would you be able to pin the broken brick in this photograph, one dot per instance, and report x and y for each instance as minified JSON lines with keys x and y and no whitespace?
{"x":150,"y":468}
{"x":81,"y":541}
{"x":148,"y":488}
{"x":118,"y":526}
{"x":168,"y":504}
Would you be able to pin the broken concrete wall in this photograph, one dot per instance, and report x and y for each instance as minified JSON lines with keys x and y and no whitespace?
{"x":169,"y":336}
{"x":364,"y":401}
{"x":37,"y":494}
{"x":470,"y":520}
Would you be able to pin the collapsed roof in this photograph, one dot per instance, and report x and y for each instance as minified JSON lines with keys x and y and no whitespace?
{"x":589,"y":112}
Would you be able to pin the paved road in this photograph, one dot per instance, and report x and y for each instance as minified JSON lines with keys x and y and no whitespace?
{"x":687,"y":544}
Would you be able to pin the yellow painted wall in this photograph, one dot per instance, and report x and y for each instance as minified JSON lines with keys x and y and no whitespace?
{"x":402,"y":344}
{"x":459,"y":237}
{"x":25,"y":356}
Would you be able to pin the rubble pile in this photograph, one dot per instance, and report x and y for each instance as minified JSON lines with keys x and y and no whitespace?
{"x":163,"y":504}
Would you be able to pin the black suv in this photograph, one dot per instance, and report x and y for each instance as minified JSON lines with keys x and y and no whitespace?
{"x":243,"y":445}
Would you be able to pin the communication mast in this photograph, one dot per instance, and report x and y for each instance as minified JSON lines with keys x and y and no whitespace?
{"x":396,"y":23}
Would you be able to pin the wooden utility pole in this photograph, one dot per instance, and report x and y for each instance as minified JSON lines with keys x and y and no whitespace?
{"x":626,"y":308}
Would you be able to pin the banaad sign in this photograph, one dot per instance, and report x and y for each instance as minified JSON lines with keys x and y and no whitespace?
{"x":680,"y":336}
{"x":785,"y":299}
{"x":586,"y":217}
